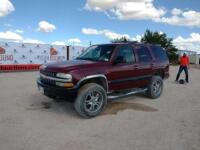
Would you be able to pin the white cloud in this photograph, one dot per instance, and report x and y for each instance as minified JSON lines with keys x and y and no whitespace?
{"x":6,"y":7}
{"x":74,"y":41}
{"x":15,"y":37}
{"x":176,"y":11}
{"x":19,"y":31}
{"x":90,"y":31}
{"x":137,"y":38}
{"x":58,"y":43}
{"x":144,"y":10}
{"x":190,"y":43}
{"x":9,"y":35}
{"x":44,"y":26}
{"x":34,"y":41}
{"x":188,"y":18}
{"x":107,"y":33}
{"x":127,"y":9}
{"x":112,"y":35}
{"x":100,"y":5}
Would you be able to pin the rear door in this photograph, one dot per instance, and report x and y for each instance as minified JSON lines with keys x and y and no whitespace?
{"x":144,"y":64}
{"x":161,"y":60}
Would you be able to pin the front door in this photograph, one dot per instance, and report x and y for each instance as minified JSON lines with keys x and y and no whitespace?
{"x":122,"y":73}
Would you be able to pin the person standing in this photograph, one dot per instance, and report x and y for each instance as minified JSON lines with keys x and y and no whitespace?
{"x":184,"y":64}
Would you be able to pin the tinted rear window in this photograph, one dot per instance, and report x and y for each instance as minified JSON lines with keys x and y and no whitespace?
{"x":159,"y":53}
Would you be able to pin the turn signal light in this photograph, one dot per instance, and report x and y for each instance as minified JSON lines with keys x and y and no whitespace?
{"x":67,"y":85}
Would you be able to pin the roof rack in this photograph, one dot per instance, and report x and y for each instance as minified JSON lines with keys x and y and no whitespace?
{"x":151,"y":44}
{"x":133,"y":42}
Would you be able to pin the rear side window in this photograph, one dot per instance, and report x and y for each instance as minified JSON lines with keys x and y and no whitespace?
{"x":144,"y":54}
{"x":159,"y":53}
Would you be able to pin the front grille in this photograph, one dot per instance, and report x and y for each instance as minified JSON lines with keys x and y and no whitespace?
{"x":48,"y":81}
{"x":48,"y":73}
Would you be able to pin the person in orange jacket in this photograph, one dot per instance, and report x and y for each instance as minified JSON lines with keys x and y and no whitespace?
{"x":184,"y":64}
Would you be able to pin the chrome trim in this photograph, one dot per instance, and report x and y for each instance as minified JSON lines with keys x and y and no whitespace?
{"x":54,"y":79}
{"x":111,"y":97}
{"x":94,"y":76}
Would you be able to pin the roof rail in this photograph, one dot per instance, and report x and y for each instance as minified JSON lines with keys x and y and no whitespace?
{"x":133,"y":42}
{"x":151,"y":44}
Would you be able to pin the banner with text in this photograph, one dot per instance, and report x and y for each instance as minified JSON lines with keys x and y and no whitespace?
{"x":22,"y":53}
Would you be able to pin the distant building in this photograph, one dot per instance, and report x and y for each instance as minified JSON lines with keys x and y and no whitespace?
{"x":195,"y":59}
{"x":188,"y":52}
{"x":193,"y":56}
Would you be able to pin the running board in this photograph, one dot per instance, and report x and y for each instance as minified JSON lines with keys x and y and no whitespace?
{"x":121,"y":95}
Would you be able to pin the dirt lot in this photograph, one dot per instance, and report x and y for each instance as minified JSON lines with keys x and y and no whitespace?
{"x":31,"y":121}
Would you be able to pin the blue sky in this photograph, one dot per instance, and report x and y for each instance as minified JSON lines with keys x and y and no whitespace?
{"x":99,"y":21}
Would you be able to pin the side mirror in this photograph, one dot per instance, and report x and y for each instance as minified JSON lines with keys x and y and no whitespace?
{"x":119,"y":60}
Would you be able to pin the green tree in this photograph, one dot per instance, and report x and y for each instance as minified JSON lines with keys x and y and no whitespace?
{"x":122,"y":39}
{"x":163,"y":41}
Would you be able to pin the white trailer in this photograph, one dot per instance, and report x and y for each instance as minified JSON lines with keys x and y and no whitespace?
{"x":195,"y":59}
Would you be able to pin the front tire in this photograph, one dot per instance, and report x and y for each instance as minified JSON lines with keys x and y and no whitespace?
{"x":91,"y":100}
{"x":155,"y":87}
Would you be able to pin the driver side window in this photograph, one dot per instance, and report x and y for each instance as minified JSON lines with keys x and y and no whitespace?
{"x":126,"y":55}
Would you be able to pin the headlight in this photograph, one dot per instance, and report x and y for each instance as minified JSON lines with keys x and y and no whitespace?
{"x":64,"y":76}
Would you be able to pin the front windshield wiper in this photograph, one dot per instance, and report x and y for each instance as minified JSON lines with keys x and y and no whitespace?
{"x":82,"y":58}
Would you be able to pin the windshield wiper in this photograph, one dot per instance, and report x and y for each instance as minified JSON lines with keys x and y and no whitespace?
{"x":82,"y":58}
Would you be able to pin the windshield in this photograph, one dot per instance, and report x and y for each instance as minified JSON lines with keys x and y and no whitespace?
{"x":98,"y":53}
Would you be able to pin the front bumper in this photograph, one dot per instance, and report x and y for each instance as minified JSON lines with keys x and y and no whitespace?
{"x":56,"y":91}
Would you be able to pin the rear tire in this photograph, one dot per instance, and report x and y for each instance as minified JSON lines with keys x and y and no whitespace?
{"x":155,"y":87}
{"x":91,"y":100}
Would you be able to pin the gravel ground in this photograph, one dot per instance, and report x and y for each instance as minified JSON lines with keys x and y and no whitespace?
{"x":31,"y":121}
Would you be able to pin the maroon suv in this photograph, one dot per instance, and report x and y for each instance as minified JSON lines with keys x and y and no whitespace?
{"x":105,"y":72}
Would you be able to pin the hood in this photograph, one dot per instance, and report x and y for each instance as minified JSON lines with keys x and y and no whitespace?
{"x":72,"y":65}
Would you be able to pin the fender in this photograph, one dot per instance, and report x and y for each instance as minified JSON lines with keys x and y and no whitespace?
{"x":91,"y":77}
